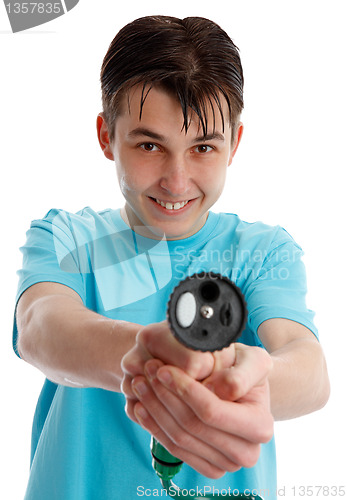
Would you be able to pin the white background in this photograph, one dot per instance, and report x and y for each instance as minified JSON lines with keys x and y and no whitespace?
{"x":289,"y":170}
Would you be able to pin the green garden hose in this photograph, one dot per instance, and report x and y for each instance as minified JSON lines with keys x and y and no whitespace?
{"x":167,"y":466}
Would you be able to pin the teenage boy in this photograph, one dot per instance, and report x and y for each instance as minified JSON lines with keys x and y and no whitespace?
{"x":94,"y":288}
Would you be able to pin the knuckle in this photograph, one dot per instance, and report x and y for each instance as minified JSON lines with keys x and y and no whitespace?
{"x":129,"y":410}
{"x":267,"y":434}
{"x":174,"y":449}
{"x":143,"y":336}
{"x":246,"y":455}
{"x":232,"y":467}
{"x":190,"y":363}
{"x":215,"y":473}
{"x":124,"y":363}
{"x":251,"y":456}
{"x":130,"y":364}
{"x":126,"y":387}
{"x":208,"y":414}
{"x":180,"y":440}
{"x":195,"y":427}
{"x":197,"y":364}
{"x":264,"y":429}
{"x":235,"y":383}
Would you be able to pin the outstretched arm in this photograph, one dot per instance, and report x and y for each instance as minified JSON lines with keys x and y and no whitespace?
{"x":70,"y":344}
{"x":299,"y":381}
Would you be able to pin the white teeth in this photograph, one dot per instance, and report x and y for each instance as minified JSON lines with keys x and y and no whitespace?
{"x":172,"y":206}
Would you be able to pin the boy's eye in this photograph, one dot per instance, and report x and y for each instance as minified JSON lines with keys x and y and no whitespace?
{"x":149,"y":146}
{"x":203,"y":148}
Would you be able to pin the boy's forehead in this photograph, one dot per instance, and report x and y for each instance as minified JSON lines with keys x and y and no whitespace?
{"x":141,"y":103}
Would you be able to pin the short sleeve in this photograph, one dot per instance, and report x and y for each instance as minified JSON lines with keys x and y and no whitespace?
{"x":280,"y":286}
{"x":47,"y":241}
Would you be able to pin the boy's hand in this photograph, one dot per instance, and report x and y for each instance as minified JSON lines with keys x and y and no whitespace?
{"x":211,"y":413}
{"x":157,"y":341}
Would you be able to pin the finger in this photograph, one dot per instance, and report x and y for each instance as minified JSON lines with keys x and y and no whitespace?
{"x":251,"y":421}
{"x":134,"y":360}
{"x":251,"y":367}
{"x":235,"y":451}
{"x":197,"y":462}
{"x":126,"y":387}
{"x":129,"y":409}
{"x":179,"y":438}
{"x":158,"y":340}
{"x":224,"y":358}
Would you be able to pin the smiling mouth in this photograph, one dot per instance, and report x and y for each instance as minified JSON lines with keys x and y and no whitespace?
{"x":171,"y":205}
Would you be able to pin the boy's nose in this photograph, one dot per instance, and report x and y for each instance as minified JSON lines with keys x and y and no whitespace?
{"x":175,"y":178}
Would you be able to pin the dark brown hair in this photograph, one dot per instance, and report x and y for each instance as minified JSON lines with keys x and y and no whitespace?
{"x":192,"y":59}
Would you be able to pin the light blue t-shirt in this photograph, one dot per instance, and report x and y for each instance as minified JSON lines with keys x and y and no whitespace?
{"x":84,"y":447}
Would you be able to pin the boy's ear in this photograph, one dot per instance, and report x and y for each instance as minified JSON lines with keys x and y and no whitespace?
{"x":237,"y":140}
{"x":104,"y":140}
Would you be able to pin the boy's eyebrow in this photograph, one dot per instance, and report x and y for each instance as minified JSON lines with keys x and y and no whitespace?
{"x":210,"y":137}
{"x":143,"y":131}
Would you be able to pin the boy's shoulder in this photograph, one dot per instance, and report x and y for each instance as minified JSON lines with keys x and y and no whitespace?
{"x":86,"y":220}
{"x":54,"y":215}
{"x":255,"y":233}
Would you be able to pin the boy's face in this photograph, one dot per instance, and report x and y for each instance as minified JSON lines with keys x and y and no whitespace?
{"x":169,"y":178}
